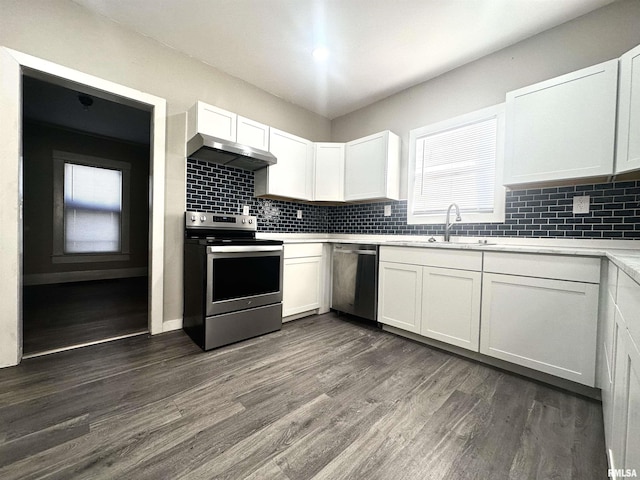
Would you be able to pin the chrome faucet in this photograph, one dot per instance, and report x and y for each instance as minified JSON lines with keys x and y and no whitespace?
{"x":448,"y":225}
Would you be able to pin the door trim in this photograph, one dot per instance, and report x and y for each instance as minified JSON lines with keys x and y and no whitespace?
{"x":13,"y":65}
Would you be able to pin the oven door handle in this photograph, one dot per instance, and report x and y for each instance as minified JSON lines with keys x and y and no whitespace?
{"x":244,"y":249}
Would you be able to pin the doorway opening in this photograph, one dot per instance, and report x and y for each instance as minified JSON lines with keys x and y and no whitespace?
{"x":86,"y":211}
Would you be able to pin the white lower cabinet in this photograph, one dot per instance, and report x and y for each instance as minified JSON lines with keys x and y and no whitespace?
{"x":545,"y":324}
{"x":622,"y":408}
{"x":399,"y":295}
{"x":420,"y":293}
{"x":624,"y":442}
{"x":302,"y":278}
{"x":451,"y":306}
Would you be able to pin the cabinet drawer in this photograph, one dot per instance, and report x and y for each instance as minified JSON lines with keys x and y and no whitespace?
{"x":430,"y":257}
{"x":629,"y":304}
{"x":576,"y":269}
{"x":301,"y":250}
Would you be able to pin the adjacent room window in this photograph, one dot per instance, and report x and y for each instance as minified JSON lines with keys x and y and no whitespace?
{"x":458,"y":161}
{"x":91,"y":208}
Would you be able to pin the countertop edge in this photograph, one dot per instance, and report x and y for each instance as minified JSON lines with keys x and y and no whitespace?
{"x":625,"y":256}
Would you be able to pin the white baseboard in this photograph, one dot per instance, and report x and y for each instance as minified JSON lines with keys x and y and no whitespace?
{"x":82,"y":276}
{"x":170,"y":325}
{"x":296,"y":316}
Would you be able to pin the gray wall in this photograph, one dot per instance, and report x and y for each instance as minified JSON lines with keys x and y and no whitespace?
{"x":593,"y":38}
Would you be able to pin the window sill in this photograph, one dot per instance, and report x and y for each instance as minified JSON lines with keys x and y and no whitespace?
{"x":91,"y":258}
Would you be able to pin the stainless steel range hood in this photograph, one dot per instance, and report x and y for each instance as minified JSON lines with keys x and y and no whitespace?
{"x":216,"y":150}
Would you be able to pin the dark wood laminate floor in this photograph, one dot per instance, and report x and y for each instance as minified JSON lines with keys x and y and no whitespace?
{"x":60,"y":315}
{"x":322,"y":399}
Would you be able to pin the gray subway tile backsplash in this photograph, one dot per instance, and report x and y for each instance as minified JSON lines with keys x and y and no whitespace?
{"x":537,"y":212}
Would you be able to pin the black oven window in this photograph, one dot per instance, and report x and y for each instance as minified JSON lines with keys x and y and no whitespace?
{"x":245,"y":277}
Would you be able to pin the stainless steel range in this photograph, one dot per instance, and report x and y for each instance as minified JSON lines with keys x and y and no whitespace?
{"x":232,"y":281}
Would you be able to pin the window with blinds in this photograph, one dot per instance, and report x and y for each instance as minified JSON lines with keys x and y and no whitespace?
{"x":457,"y":161}
{"x":92,"y":209}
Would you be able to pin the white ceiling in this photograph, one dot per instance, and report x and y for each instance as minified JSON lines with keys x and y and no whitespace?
{"x":378,"y":47}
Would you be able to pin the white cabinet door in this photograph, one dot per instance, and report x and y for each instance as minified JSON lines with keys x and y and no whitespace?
{"x":632,"y":442}
{"x":329,"y":177}
{"x":253,"y":134}
{"x":210,"y":120}
{"x":451,"y":306}
{"x":372,"y":166}
{"x":400,"y":295}
{"x":562,"y":128}
{"x":547,"y":325}
{"x":292,"y":176}
{"x":628,"y":142}
{"x":301,"y":285}
{"x":607,"y":360}
{"x":616,"y":436}
{"x":624,"y":443}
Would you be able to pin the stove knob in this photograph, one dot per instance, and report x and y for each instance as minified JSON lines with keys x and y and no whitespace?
{"x":193,"y":218}
{"x":202,"y":218}
{"x":250,"y":220}
{"x":243,"y":220}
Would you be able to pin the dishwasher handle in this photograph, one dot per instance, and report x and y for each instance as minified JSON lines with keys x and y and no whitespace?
{"x":356,"y":249}
{"x":359,"y":252}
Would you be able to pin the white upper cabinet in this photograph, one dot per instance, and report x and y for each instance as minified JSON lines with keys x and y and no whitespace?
{"x":210,"y":120}
{"x":252,"y":133}
{"x":372,"y":167}
{"x":329,"y":175}
{"x":628,"y":143}
{"x":562,"y":128}
{"x":293,"y":175}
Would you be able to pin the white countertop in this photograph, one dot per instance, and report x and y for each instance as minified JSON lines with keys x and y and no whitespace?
{"x":623,"y":253}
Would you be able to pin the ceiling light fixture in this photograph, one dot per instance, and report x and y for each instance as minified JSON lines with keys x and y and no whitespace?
{"x":320,"y":54}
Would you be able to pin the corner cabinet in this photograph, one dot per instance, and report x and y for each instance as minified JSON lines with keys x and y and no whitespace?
{"x":293,"y":175}
{"x":372,"y":168}
{"x":302,"y":278}
{"x":329,"y":172}
{"x":541,"y":312}
{"x":628,"y":142}
{"x":563,"y":128}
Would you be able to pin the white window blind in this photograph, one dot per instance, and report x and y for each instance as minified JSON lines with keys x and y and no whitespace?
{"x":456,"y":165}
{"x":92,"y":209}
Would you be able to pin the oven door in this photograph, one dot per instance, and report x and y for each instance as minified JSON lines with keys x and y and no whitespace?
{"x":243,"y":276}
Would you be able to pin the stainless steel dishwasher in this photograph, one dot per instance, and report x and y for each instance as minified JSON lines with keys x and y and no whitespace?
{"x":355,"y":280}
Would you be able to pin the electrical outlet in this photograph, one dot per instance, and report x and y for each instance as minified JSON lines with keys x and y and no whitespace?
{"x":581,"y":204}
{"x":245,"y":210}
{"x":299,"y":214}
{"x":387,"y":210}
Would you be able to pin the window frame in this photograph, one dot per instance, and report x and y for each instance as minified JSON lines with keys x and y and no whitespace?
{"x":59,"y":255}
{"x":498,"y":214}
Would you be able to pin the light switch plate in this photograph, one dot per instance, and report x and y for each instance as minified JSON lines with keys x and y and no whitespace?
{"x":387,"y":210}
{"x":245,"y":210}
{"x":581,"y":204}
{"x":299,"y":214}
